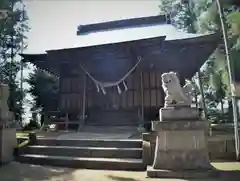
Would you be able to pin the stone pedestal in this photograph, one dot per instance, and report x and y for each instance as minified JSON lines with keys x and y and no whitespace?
{"x":181,"y":145}
{"x":4,"y":110}
{"x":8,"y":142}
{"x":8,"y":139}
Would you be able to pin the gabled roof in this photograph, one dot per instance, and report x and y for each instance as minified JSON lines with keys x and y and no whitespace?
{"x":131,"y":33}
{"x":111,"y":43}
{"x":125,"y":35}
{"x":128,"y":30}
{"x":185,"y":56}
{"x":52,"y":59}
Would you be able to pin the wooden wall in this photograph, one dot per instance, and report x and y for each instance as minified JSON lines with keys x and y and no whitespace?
{"x":71,"y":93}
{"x":152,"y":89}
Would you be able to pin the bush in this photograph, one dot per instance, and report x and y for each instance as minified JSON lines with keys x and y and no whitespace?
{"x":31,"y":126}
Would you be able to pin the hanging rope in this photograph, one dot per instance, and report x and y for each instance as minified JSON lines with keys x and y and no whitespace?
{"x":102,"y":85}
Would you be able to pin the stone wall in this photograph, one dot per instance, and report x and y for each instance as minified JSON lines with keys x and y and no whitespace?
{"x":220,"y":147}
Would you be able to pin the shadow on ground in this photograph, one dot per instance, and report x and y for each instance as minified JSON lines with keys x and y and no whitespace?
{"x":118,"y":178}
{"x":24,"y":172}
{"x":222,"y":176}
{"x":233,"y":175}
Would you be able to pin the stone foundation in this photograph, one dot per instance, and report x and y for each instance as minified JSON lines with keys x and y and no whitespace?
{"x":178,"y":114}
{"x":181,"y":174}
{"x":219,"y":147}
{"x":181,"y":145}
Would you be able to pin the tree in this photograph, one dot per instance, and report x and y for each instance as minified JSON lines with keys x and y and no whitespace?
{"x":207,"y":16}
{"x":12,"y":41}
{"x":230,"y":63}
{"x":202,"y":16}
{"x":44,"y":90}
{"x":185,"y":17}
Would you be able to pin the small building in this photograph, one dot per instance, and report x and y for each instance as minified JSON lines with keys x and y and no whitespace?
{"x":113,"y":76}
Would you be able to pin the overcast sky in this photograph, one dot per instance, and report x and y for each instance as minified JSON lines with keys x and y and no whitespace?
{"x":54,"y":23}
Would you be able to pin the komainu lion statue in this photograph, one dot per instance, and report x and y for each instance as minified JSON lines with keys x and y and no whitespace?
{"x":175,"y":94}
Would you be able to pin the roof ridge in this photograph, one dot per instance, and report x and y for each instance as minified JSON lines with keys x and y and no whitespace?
{"x":123,"y":23}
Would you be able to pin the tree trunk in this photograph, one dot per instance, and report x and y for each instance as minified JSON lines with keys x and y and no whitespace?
{"x":42,"y":119}
{"x":202,"y":95}
{"x":222,"y":109}
{"x":230,"y":110}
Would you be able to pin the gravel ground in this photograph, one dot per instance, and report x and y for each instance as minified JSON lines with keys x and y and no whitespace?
{"x":24,"y":172}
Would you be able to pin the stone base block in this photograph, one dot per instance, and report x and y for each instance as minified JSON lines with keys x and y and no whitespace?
{"x":178,"y":113}
{"x":182,"y":174}
{"x":182,"y":159}
{"x":181,"y":145}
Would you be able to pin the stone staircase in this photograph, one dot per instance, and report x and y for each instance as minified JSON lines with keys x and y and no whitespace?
{"x":86,"y":153}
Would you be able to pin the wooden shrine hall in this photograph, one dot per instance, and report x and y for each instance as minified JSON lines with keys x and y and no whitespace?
{"x":112,"y":77}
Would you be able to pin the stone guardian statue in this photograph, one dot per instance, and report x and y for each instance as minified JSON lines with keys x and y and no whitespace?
{"x":175,"y":95}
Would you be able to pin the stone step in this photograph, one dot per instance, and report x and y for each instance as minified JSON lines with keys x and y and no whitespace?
{"x":109,"y":129}
{"x":94,"y":122}
{"x":127,"y":143}
{"x":22,"y":139}
{"x":106,"y":152}
{"x":82,"y":162}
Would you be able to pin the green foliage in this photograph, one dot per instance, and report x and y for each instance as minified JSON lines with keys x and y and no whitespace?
{"x":32,"y":125}
{"x":12,"y":42}
{"x":44,"y":89}
{"x":202,"y":16}
{"x":234,"y":17}
{"x":12,"y":29}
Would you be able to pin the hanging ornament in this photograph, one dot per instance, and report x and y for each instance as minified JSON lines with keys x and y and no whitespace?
{"x":125,"y":86}
{"x":103,"y":90}
{"x":103,"y":85}
{"x":119,"y":90}
{"x":98,"y":90}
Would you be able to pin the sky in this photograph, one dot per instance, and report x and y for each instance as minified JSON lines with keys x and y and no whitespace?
{"x":54,"y":23}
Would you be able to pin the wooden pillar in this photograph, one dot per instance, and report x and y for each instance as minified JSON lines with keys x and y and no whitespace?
{"x":82,"y":120}
{"x":202,"y":95}
{"x":142,"y":95}
{"x":66,"y":121}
